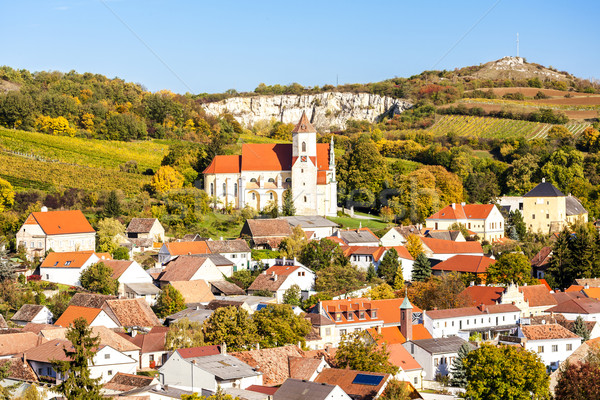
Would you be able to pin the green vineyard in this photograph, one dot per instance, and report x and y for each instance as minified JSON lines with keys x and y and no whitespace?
{"x":488,"y":127}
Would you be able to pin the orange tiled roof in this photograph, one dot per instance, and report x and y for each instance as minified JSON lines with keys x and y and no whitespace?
{"x":118,"y":267}
{"x":420,"y":332}
{"x":322,"y":156}
{"x":267,"y":157}
{"x":281,"y":270}
{"x":389,"y":309}
{"x":548,"y":331}
{"x":71,"y":259}
{"x":468,"y":211}
{"x":400,"y":357}
{"x":465,"y":263}
{"x":592,"y":292}
{"x":74,"y":312}
{"x":185,"y":248}
{"x":389,"y":335}
{"x":224,"y":165}
{"x":402,"y":252}
{"x":574,"y":288}
{"x":537,"y":295}
{"x":375,"y":252}
{"x":60,"y":222}
{"x":439,"y":246}
{"x":487,"y":295}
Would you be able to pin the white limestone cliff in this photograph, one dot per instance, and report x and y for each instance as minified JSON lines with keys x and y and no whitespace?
{"x":325,"y":110}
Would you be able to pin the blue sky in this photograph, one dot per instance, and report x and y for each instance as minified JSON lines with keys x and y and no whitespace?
{"x":211,"y":46}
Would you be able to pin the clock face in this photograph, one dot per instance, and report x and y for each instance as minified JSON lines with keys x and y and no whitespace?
{"x":303,"y":158}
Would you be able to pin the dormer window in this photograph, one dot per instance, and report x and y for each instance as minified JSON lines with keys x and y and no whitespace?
{"x":350,"y":316}
{"x":374,"y":314}
{"x":67,"y":263}
{"x":361,"y":315}
{"x":338,"y":317}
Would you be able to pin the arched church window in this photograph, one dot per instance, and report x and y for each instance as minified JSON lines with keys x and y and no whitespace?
{"x":271,"y":196}
{"x":303,"y":146}
{"x":253,"y":180}
{"x":253,"y":196}
{"x":288,"y":179}
{"x":271,"y":180}
{"x":224,"y":189}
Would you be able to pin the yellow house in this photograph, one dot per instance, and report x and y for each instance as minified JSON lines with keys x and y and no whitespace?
{"x":546,"y":209}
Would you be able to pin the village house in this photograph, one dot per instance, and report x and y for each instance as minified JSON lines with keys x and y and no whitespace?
{"x":455,"y":236}
{"x":121,"y":383}
{"x":485,"y":220}
{"x":359,"y":385}
{"x":152,"y":346}
{"x":32,"y":313}
{"x":15,"y":343}
{"x":397,"y":236}
{"x":487,"y":320}
{"x":131,"y":313}
{"x":57,"y":230}
{"x":190,"y":268}
{"x":586,"y":308}
{"x":293,"y":389}
{"x":66,"y":268}
{"x":357,"y":237}
{"x":315,"y":226}
{"x":236,"y":251}
{"x":194,"y":371}
{"x":194,"y":292}
{"x":435,"y":355}
{"x":465,"y":264}
{"x":130,"y":272}
{"x":264,"y":172}
{"x":171,"y":250}
{"x":440,"y":250}
{"x":105,"y":364}
{"x":363,"y":256}
{"x":109,"y":337}
{"x":541,"y":261}
{"x":266,"y":233}
{"x":279,"y":278}
{"x":93,"y":316}
{"x":146,"y":228}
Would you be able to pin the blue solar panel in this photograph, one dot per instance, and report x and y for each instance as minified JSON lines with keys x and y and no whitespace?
{"x":363,"y":379}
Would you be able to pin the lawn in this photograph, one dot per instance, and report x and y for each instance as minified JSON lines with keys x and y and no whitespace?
{"x":348,"y":222}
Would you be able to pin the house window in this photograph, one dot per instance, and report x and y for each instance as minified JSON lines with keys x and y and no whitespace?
{"x":39,"y":245}
{"x":540,"y":349}
{"x":350,"y":316}
{"x":374,"y":314}
{"x":234,"y":256}
{"x":305,"y":199}
{"x":554,"y":348}
{"x":235,"y":189}
{"x":361,"y":315}
{"x":271,"y":196}
{"x":224,"y":189}
{"x":412,"y":348}
{"x":67,"y":263}
{"x":569,"y":347}
{"x":342,"y":332}
{"x":106,"y":356}
{"x":253,"y":180}
{"x":33,"y":243}
{"x":151,"y":357}
{"x":40,"y":373}
{"x":416,"y":380}
{"x":532,"y":216}
{"x":436,"y":361}
{"x":47,"y":276}
{"x":253,"y":196}
{"x":110,"y":372}
{"x":271,"y":180}
{"x":327,"y":331}
{"x":303,"y":146}
{"x":547,"y":216}
{"x":338,"y":317}
{"x":212,"y":189}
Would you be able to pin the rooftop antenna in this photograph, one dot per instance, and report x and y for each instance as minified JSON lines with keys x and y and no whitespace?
{"x":517,"y":44}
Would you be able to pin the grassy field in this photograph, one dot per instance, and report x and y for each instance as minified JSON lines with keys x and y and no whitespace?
{"x":347,"y":222}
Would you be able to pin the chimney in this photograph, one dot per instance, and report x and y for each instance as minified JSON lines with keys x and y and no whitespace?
{"x":274,"y":278}
{"x":482,"y":307}
{"x":454,"y":206}
{"x":379,"y":329}
{"x":223,"y":348}
{"x":586,"y":286}
{"x":543,"y":180}
{"x":221,"y":238}
{"x":463,"y":204}
{"x":133,"y":333}
{"x":44,"y":209}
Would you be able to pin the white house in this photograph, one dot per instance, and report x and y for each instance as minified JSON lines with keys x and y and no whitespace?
{"x":483,"y":219}
{"x":208,"y":372}
{"x":463,"y":321}
{"x":128,"y":272}
{"x":363,"y":256}
{"x":397,"y":235}
{"x":552,"y":342}
{"x":146,"y":228}
{"x":279,"y":278}
{"x":190,"y":268}
{"x":435,"y":355}
{"x":236,"y":251}
{"x":587,"y":308}
{"x":66,"y":268}
{"x":358,"y":237}
{"x":265,"y":171}
{"x":152,"y":344}
{"x":315,"y":226}
{"x":57,"y":230}
{"x":169,"y":251}
{"x":105,"y":364}
{"x":94,"y":317}
{"x":32,"y":313}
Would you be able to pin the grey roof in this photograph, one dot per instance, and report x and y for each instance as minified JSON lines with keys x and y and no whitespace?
{"x":574,"y":207}
{"x":217,"y":259}
{"x":296,"y":389}
{"x":310,"y":221}
{"x":449,"y":344}
{"x":162,"y":391}
{"x":358,"y":236}
{"x":444,"y":235}
{"x":248,"y":299}
{"x":227,"y":288}
{"x":193,"y":314}
{"x":224,"y":366}
{"x":143,"y":288}
{"x":544,"y":189}
{"x":27,"y":312}
{"x":245,"y":394}
{"x":228,"y":246}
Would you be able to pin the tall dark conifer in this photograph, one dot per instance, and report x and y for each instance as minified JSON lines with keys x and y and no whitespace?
{"x":112,"y":207}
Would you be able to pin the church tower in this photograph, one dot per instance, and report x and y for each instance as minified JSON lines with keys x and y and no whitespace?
{"x":304,"y":167}
{"x":406,"y":318}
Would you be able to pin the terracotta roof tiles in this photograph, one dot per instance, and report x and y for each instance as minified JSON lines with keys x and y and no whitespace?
{"x":187,"y":248}
{"x":537,"y":295}
{"x":19,"y":370}
{"x":439,"y":246}
{"x":577,"y":306}
{"x":266,"y":157}
{"x":70,"y":259}
{"x":122,"y":382}
{"x":546,"y":332}
{"x":194,"y":291}
{"x":228,"y":246}
{"x":304,"y":125}
{"x":400,"y":357}
{"x":465,"y":263}
{"x":224,"y":165}
{"x":151,"y":342}
{"x":15,"y":343}
{"x":118,"y":267}
{"x":487,"y":295}
{"x":61,"y":222}
{"x":182,"y":268}
{"x":269,"y":227}
{"x":272,"y":362}
{"x":344,"y":378}
{"x":131,"y":312}
{"x":74,"y":312}
{"x":141,"y":225}
{"x":193,"y":352}
{"x":91,"y":300}
{"x":468,"y":311}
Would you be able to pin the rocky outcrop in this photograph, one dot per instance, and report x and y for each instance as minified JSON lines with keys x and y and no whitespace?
{"x":325,"y":110}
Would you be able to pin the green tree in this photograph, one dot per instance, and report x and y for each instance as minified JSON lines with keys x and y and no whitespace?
{"x":505,"y":373}
{"x":33,"y":393}
{"x":112,"y":207}
{"x":562,"y":271}
{"x":399,"y":279}
{"x":563,"y":167}
{"x":482,"y":187}
{"x":6,"y":392}
{"x":396,"y":390}
{"x":98,"y":278}
{"x":519,"y":175}
{"x":389,"y":266}
{"x":277,"y":325}
{"x":232,"y":326}
{"x":243,"y":278}
{"x":288,"y":208}
{"x":339,"y":278}
{"x":580,"y":329}
{"x":357,"y":352}
{"x":292,"y":296}
{"x":169,"y":301}
{"x":7,"y":195}
{"x":121,"y":253}
{"x":510,"y":268}
{"x":292,"y":246}
{"x":421,"y":268}
{"x":371,"y":273}
{"x":110,"y":232}
{"x":78,"y":383}
{"x":317,"y":255}
{"x":459,"y":376}
{"x":515,"y":219}
{"x":184,"y":334}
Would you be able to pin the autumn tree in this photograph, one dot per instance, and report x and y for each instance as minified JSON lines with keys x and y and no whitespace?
{"x":79,"y":384}
{"x":579,"y":380}
{"x":383,"y":291}
{"x":6,"y":392}
{"x":98,"y":278}
{"x":505,"y":373}
{"x":388,"y":267}
{"x":292,"y":296}
{"x":510,"y":268}
{"x":292,"y":246}
{"x":277,"y":325}
{"x":357,"y":352}
{"x":7,"y":195}
{"x":414,"y":245}
{"x":339,"y":278}
{"x":165,"y":179}
{"x":563,"y":167}
{"x":396,"y":390}
{"x":184,"y":334}
{"x":169,"y":301}
{"x":110,"y":232}
{"x":317,"y":255}
{"x":232,"y":326}
{"x":442,"y":292}
{"x":421,"y":268}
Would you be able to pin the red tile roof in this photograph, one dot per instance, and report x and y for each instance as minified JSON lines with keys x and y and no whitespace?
{"x":281,"y":270}
{"x":151,"y":342}
{"x":388,"y":311}
{"x":488,"y":295}
{"x":194,"y":291}
{"x":375,"y":252}
{"x":74,"y":312}
{"x":118,"y":267}
{"x":49,"y":351}
{"x":574,"y":288}
{"x":69,"y":259}
{"x":273,"y":362}
{"x":268,"y":390}
{"x":344,"y":378}
{"x":542,"y":258}
{"x":131,"y":312}
{"x":577,"y":306}
{"x":185,"y":248}
{"x":420,"y":332}
{"x":537,"y":295}
{"x":468,"y":211}
{"x":266,"y":157}
{"x":548,"y":331}
{"x":199,"y":351}
{"x":19,"y":342}
{"x":387,"y":334}
{"x":304,"y":125}
{"x":322,"y":156}
{"x":224,"y":165}
{"x":400,"y":357}
{"x":182,"y":268}
{"x":439,"y":246}
{"x":402,"y":252}
{"x":60,"y":222}
{"x":465,"y":263}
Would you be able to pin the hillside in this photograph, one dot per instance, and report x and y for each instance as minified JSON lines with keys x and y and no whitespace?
{"x":513,"y":68}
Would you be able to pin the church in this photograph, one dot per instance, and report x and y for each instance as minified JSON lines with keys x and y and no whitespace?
{"x":263,"y":172}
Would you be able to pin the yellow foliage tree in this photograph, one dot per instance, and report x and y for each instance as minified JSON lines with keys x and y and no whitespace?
{"x":166,"y":178}
{"x":414,"y":245}
{"x":7,"y":195}
{"x":380,"y":292}
{"x":54,"y":126}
